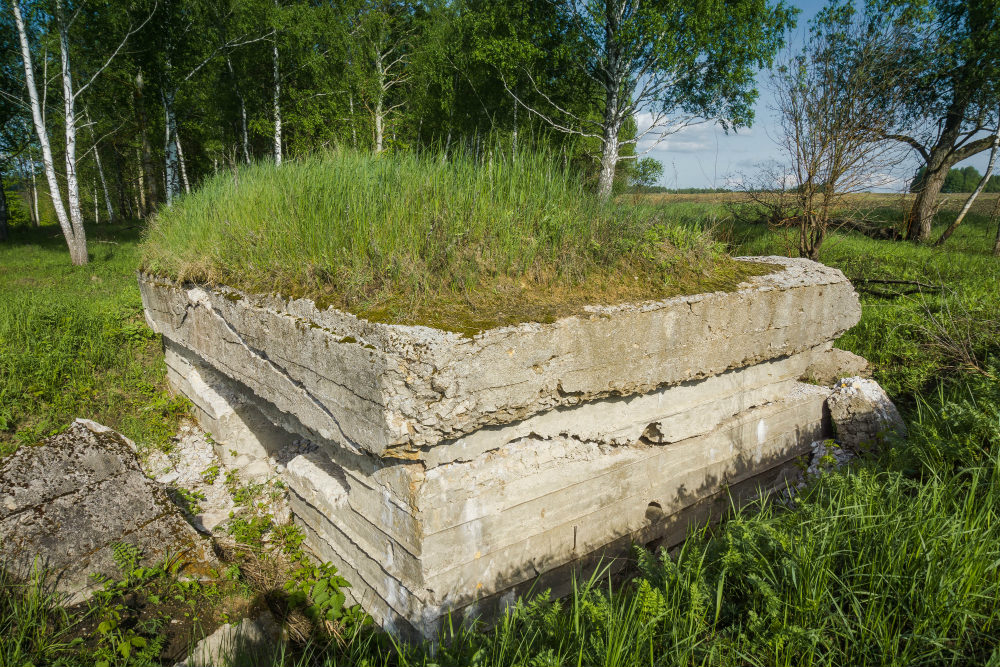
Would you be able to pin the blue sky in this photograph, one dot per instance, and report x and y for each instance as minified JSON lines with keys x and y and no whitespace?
{"x":703,"y":156}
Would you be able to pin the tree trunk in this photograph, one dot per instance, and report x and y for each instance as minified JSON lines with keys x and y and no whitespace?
{"x":148,"y":192}
{"x":3,"y":211}
{"x":43,"y":135}
{"x":354,"y":131}
{"x":100,"y":172}
{"x":78,"y":253}
{"x":277,"y":102}
{"x":996,"y":244}
{"x":143,"y":207}
{"x":513,"y":137}
{"x":180,"y":162}
{"x":379,"y":129}
{"x":172,"y":186}
{"x":979,"y":188}
{"x":609,"y":159}
{"x":243,"y":110}
{"x":922,"y":212}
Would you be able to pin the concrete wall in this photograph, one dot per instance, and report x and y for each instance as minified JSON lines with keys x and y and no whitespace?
{"x":451,"y":471}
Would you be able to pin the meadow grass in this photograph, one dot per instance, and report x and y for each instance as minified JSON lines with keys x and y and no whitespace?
{"x":893,"y":561}
{"x":74,"y":343}
{"x":412,"y":238}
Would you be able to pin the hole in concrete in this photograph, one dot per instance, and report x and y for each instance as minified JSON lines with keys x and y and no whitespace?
{"x":652,"y":433}
{"x":653,"y":511}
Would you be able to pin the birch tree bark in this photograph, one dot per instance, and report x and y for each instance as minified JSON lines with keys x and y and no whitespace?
{"x":100,"y":170}
{"x":180,"y":162}
{"x":979,"y":188}
{"x":243,"y":110}
{"x":69,"y":110}
{"x":277,"y":101}
{"x":171,"y":183}
{"x":4,"y":235}
{"x":43,"y":140}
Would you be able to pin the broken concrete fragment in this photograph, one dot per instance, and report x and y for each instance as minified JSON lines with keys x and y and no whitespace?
{"x":834,"y":364}
{"x":862,"y":413}
{"x":66,"y":504}
{"x":249,"y":642}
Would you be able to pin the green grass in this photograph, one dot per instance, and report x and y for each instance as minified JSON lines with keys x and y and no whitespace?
{"x":73,"y":341}
{"x":417,"y":239}
{"x":895,"y":561}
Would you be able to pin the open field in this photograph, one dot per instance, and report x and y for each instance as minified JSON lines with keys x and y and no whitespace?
{"x":890,"y":562}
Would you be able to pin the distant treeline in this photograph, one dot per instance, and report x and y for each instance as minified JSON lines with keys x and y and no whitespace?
{"x":656,"y":190}
{"x":965,"y":179}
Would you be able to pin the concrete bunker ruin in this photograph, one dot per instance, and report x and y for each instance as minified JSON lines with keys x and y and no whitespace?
{"x":448,"y":473}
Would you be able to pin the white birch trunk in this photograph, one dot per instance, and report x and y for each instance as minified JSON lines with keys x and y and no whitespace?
{"x":171,"y":183}
{"x":34,"y":190}
{"x":142,"y":183}
{"x":609,"y":161}
{"x":43,"y":135}
{"x":69,"y":109}
{"x":243,"y":110}
{"x":379,"y":130}
{"x":354,"y":131}
{"x":100,"y":171}
{"x":104,"y":186}
{"x":180,"y":162}
{"x":277,"y":100}
{"x":979,"y":188}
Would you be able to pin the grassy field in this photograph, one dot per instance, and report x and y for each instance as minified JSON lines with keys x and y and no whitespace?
{"x":417,"y":239}
{"x":74,"y":343}
{"x":895,"y":561}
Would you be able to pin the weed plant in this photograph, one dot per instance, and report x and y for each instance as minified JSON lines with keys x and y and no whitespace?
{"x":416,"y":238}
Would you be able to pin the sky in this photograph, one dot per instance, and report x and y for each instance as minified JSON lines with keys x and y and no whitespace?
{"x":704,"y":156}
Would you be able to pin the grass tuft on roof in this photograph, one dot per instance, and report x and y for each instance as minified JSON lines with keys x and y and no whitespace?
{"x":456,"y":243}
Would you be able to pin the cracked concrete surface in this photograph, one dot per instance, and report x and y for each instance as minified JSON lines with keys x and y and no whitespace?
{"x":445,"y":472}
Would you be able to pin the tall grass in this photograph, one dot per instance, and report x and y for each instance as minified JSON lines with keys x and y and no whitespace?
{"x":399,"y":235}
{"x":73,"y":341}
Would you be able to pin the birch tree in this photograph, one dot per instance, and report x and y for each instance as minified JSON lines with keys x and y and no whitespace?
{"x":76,"y":239}
{"x":385,"y":32}
{"x":68,"y":213}
{"x":680,"y":62}
{"x":975,"y":193}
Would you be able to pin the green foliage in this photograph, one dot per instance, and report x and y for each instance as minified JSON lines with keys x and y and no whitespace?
{"x":210,"y":474}
{"x":317,"y":589}
{"x":189,"y":501}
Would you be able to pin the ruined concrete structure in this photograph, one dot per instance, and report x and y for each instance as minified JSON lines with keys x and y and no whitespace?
{"x":451,"y":472}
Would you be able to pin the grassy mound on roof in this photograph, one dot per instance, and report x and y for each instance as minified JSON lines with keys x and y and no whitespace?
{"x":418,"y":239}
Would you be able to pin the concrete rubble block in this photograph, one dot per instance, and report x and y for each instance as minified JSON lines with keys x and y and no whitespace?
{"x":254,"y":641}
{"x":66,"y":503}
{"x":863,"y":414}
{"x":445,"y":473}
{"x":828,"y":367}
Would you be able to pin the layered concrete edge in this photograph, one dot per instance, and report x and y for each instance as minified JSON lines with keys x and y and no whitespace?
{"x":397,"y":390}
{"x":451,"y":472}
